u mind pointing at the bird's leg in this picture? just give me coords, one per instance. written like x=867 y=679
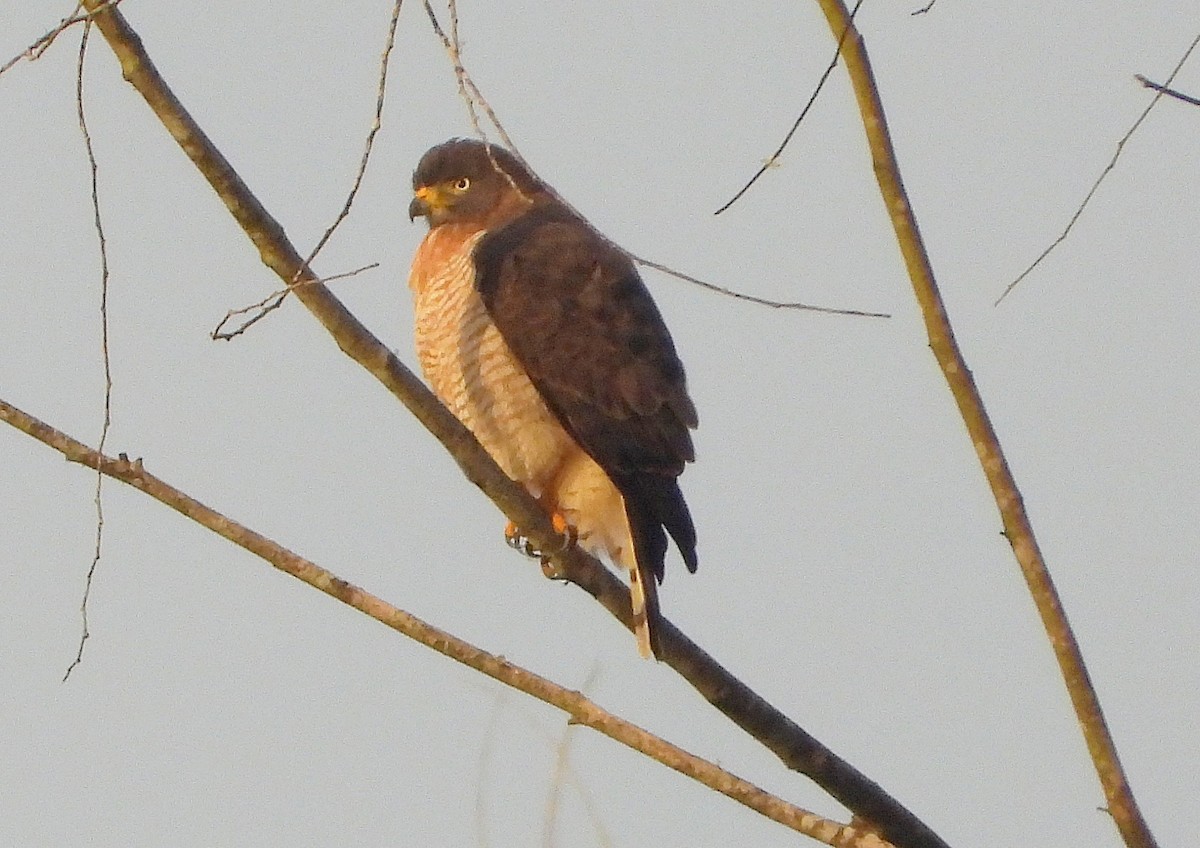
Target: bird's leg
x=567 y=531
x=570 y=538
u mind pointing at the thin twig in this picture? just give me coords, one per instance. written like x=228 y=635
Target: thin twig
x=271 y=302
x=563 y=772
x=491 y=732
x=775 y=304
x=580 y=709
x=274 y=300
x=1017 y=527
x=472 y=96
x=376 y=125
x=256 y=311
x=1170 y=92
x=474 y=89
x=1112 y=163
x=796 y=748
x=772 y=160
x=452 y=47
x=35 y=50
x=108 y=383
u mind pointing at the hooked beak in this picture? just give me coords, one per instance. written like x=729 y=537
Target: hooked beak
x=423 y=203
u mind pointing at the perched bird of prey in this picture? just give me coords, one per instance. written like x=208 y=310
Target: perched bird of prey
x=540 y=336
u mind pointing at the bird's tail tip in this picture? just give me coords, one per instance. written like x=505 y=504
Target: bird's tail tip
x=644 y=597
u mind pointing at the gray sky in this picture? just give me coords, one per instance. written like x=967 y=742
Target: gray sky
x=852 y=569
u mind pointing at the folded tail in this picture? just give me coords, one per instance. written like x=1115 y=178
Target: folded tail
x=654 y=507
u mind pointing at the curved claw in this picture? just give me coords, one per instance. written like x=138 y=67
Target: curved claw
x=516 y=540
x=519 y=542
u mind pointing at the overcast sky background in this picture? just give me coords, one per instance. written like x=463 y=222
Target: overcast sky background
x=852 y=568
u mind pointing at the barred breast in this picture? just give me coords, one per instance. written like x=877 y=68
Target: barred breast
x=471 y=368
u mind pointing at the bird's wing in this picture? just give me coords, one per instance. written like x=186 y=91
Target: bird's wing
x=579 y=319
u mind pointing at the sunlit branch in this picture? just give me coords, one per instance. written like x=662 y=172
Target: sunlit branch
x=1017 y=527
x=581 y=710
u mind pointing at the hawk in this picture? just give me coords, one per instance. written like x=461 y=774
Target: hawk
x=540 y=336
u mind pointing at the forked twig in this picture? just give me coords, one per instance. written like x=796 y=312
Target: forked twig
x=260 y=310
x=471 y=95
x=35 y=50
x=274 y=300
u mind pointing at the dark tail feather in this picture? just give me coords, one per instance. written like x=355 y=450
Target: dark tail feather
x=654 y=503
x=678 y=521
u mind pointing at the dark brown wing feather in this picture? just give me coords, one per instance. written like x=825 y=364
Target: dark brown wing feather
x=579 y=319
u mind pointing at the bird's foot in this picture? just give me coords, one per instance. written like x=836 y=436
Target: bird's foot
x=520 y=542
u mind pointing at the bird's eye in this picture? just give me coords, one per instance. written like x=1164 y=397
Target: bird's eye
x=462 y=184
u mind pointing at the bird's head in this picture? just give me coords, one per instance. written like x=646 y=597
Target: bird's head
x=464 y=181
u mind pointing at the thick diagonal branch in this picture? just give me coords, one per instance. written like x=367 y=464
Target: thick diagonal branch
x=1017 y=527
x=580 y=709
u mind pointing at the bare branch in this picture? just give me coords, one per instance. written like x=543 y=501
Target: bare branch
x=1112 y=163
x=797 y=749
x=98 y=224
x=1017 y=527
x=773 y=159
x=1170 y=92
x=581 y=710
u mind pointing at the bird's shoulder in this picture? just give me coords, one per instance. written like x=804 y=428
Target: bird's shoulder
x=549 y=243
